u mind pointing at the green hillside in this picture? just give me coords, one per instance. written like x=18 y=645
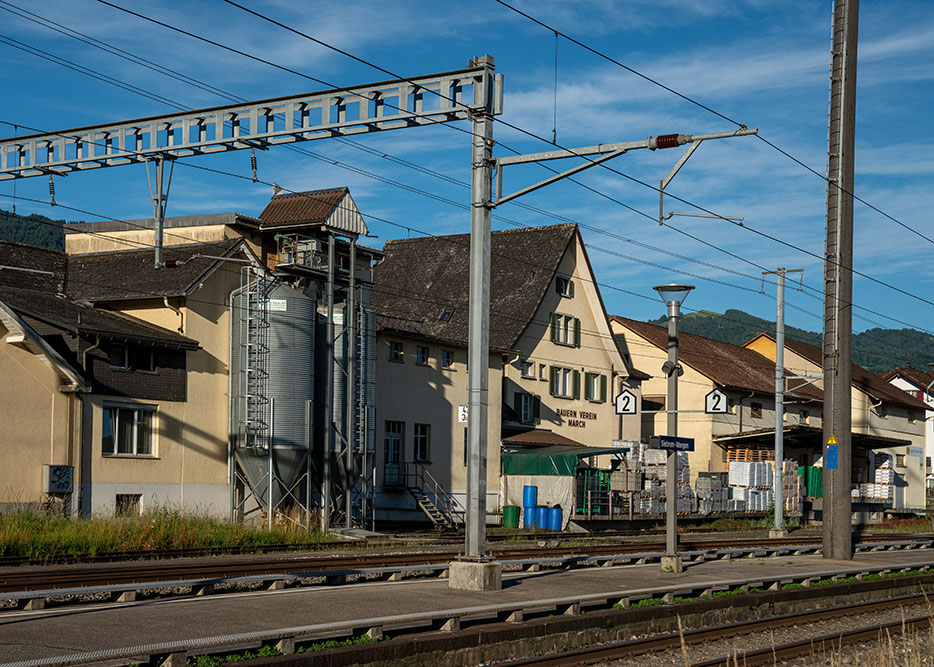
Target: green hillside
x=36 y=230
x=876 y=350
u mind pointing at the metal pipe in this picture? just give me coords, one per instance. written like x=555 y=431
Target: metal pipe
x=329 y=396
x=272 y=439
x=778 y=479
x=349 y=430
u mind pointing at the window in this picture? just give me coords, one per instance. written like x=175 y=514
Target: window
x=395 y=351
x=564 y=382
x=803 y=417
x=393 y=435
x=422 y=443
x=900 y=460
x=565 y=330
x=119 y=356
x=653 y=403
x=128 y=504
x=447 y=358
x=421 y=355
x=145 y=359
x=528 y=369
x=564 y=286
x=755 y=410
x=528 y=407
x=465 y=446
x=127 y=431
x=446 y=315
x=595 y=387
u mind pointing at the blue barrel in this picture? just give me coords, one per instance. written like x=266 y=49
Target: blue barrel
x=541 y=517
x=554 y=519
x=529 y=496
x=528 y=517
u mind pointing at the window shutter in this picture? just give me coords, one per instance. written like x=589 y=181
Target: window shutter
x=517 y=404
x=603 y=388
x=537 y=409
x=570 y=288
x=576 y=384
x=577 y=332
x=552 y=379
x=554 y=327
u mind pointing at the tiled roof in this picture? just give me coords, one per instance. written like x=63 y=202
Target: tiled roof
x=130 y=274
x=862 y=379
x=301 y=207
x=63 y=313
x=725 y=364
x=420 y=279
x=18 y=256
x=921 y=379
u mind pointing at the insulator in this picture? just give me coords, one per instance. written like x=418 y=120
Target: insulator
x=666 y=140
x=253 y=163
x=51 y=190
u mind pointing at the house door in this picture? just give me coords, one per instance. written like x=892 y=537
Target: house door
x=393 y=439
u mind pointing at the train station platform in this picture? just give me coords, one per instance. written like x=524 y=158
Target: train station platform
x=47 y=636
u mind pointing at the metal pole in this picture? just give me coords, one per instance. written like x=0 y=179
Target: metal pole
x=349 y=430
x=479 y=336
x=778 y=479
x=671 y=484
x=329 y=396
x=158 y=211
x=309 y=423
x=838 y=295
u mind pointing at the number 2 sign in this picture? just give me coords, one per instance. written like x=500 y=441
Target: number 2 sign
x=626 y=403
x=715 y=403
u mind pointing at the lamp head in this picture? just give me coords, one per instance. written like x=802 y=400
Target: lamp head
x=673 y=293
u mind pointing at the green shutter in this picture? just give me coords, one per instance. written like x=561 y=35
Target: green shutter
x=554 y=327
x=577 y=332
x=576 y=384
x=587 y=394
x=552 y=379
x=537 y=409
x=517 y=404
x=603 y=388
x=570 y=288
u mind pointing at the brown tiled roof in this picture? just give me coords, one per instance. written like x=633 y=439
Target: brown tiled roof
x=539 y=437
x=421 y=278
x=29 y=257
x=301 y=207
x=65 y=314
x=921 y=379
x=130 y=274
x=862 y=379
x=729 y=366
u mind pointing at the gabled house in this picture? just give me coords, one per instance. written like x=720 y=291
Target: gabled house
x=746 y=431
x=918 y=383
x=553 y=365
x=885 y=419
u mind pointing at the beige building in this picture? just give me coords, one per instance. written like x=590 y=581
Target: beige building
x=553 y=369
x=885 y=419
x=744 y=376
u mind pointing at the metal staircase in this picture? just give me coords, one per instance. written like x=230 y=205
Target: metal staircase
x=254 y=352
x=438 y=505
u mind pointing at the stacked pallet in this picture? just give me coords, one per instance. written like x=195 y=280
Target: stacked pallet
x=792 y=487
x=747 y=455
x=751 y=485
x=652 y=498
x=710 y=493
x=884 y=487
x=656 y=477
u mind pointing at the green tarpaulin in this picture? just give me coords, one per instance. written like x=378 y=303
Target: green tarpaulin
x=553 y=460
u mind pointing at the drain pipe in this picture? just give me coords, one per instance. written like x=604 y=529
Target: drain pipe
x=84 y=355
x=177 y=311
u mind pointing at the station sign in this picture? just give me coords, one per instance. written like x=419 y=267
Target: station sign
x=626 y=403
x=715 y=403
x=675 y=444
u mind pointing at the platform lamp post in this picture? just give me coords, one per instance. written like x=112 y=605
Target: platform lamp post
x=673 y=296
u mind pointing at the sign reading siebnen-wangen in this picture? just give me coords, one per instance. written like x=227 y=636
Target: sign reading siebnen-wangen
x=674 y=443
x=576 y=418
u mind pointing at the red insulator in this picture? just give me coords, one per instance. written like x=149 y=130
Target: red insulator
x=666 y=140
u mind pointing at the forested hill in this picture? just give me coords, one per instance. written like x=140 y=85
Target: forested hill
x=876 y=350
x=36 y=230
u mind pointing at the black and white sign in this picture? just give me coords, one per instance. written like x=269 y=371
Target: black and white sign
x=715 y=403
x=463 y=412
x=626 y=403
x=674 y=443
x=57 y=479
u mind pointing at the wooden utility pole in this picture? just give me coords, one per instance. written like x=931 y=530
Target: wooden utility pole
x=838 y=285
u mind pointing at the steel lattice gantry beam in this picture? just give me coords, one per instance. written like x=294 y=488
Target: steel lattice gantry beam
x=386 y=105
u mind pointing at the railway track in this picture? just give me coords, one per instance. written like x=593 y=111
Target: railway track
x=766 y=656
x=53 y=577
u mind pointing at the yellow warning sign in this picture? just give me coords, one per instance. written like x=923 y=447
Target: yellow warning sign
x=831 y=440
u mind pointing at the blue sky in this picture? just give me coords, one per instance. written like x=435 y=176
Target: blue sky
x=762 y=63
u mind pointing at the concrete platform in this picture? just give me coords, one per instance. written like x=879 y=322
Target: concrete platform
x=53 y=632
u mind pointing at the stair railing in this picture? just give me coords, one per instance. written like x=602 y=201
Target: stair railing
x=418 y=476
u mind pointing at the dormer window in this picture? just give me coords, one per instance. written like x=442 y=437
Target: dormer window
x=446 y=315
